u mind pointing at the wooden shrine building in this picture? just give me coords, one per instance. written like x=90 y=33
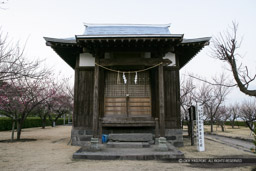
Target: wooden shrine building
x=127 y=79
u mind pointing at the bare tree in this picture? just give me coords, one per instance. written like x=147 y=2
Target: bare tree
x=248 y=113
x=222 y=116
x=212 y=97
x=225 y=48
x=13 y=64
x=70 y=91
x=234 y=113
x=187 y=88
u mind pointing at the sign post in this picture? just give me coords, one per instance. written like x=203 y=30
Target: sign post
x=191 y=123
x=200 y=127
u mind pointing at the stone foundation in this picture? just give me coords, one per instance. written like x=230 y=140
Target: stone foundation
x=81 y=136
x=174 y=136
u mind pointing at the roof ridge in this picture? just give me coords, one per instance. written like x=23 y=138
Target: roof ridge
x=123 y=24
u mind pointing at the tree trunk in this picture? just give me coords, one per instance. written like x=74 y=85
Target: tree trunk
x=68 y=118
x=50 y=118
x=58 y=116
x=13 y=128
x=233 y=123
x=250 y=125
x=211 y=124
x=43 y=124
x=43 y=121
x=64 y=120
x=19 y=127
x=222 y=127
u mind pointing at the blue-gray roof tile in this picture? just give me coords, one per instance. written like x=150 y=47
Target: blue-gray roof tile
x=126 y=30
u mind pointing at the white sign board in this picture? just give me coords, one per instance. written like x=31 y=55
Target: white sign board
x=86 y=59
x=171 y=57
x=200 y=127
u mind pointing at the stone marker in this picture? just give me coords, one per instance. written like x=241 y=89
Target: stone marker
x=94 y=144
x=162 y=144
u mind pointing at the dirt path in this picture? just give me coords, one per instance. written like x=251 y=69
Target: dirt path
x=49 y=151
x=241 y=132
x=236 y=143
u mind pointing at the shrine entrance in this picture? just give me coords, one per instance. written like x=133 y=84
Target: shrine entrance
x=127 y=94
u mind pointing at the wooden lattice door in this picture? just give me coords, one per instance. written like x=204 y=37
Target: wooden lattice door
x=130 y=99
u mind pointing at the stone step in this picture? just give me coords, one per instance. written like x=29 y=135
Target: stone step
x=128 y=145
x=128 y=154
x=131 y=137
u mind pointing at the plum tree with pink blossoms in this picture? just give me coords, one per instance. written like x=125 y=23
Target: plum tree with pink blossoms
x=18 y=98
x=21 y=82
x=56 y=105
x=61 y=104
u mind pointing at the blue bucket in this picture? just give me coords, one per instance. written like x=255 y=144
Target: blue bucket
x=104 y=138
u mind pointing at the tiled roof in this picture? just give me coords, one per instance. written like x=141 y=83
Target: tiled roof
x=126 y=30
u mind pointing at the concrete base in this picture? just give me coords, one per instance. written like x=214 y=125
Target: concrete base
x=128 y=154
x=82 y=137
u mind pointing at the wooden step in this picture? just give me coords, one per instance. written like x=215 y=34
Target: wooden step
x=131 y=137
x=128 y=145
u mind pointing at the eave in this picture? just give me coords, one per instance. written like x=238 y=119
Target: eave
x=185 y=49
x=67 y=49
x=188 y=48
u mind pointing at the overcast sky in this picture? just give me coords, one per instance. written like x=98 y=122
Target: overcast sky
x=35 y=19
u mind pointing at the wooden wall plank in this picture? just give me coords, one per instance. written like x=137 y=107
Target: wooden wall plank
x=83 y=98
x=172 y=105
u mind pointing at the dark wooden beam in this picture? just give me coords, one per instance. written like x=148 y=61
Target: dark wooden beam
x=161 y=100
x=96 y=100
x=132 y=62
x=76 y=92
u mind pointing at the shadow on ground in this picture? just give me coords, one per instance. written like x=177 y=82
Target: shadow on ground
x=21 y=140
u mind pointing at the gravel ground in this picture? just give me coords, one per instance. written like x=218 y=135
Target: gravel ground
x=47 y=149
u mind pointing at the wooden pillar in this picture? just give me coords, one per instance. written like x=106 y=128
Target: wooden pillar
x=96 y=100
x=161 y=100
x=100 y=130
x=156 y=128
x=76 y=81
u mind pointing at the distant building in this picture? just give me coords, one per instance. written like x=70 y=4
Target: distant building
x=127 y=79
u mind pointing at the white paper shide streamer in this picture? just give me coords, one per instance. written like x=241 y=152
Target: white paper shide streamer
x=136 y=78
x=124 y=78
